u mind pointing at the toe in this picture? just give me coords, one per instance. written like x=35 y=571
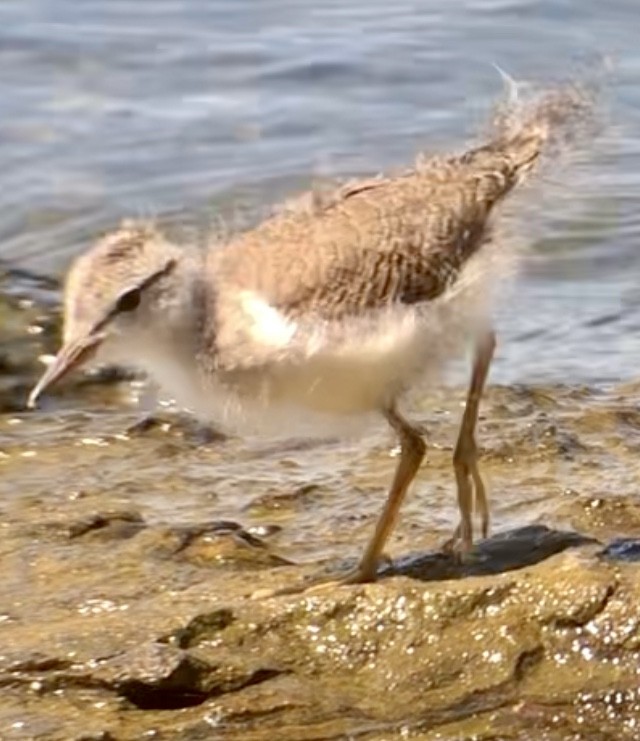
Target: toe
x=318 y=585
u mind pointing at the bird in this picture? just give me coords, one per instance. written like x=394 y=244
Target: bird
x=335 y=305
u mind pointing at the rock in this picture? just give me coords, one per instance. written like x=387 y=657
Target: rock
x=216 y=543
x=402 y=653
x=127 y=562
x=186 y=426
x=602 y=515
x=300 y=497
x=623 y=549
x=117 y=524
x=503 y=552
x=160 y=677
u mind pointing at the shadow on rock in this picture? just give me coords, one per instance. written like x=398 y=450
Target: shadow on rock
x=622 y=549
x=503 y=552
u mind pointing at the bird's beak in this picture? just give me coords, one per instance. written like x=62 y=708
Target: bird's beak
x=73 y=353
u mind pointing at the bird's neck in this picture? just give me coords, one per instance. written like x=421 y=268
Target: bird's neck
x=179 y=326
x=168 y=348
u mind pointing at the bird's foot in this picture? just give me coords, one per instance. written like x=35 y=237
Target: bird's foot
x=457 y=546
x=319 y=585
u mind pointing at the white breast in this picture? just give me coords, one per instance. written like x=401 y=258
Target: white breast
x=287 y=375
x=353 y=366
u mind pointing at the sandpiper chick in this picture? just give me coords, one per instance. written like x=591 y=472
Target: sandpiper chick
x=338 y=307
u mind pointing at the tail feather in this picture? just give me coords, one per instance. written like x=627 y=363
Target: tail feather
x=550 y=122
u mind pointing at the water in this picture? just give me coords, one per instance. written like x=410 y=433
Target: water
x=185 y=110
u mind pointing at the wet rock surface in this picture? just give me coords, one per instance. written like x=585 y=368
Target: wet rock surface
x=551 y=648
x=130 y=552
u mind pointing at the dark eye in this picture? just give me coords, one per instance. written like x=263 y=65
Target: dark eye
x=128 y=301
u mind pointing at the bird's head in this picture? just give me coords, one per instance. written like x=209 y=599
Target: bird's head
x=112 y=295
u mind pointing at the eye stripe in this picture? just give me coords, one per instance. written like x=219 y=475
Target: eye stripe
x=146 y=283
x=128 y=301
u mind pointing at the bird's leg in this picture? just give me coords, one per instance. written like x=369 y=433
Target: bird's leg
x=471 y=490
x=412 y=451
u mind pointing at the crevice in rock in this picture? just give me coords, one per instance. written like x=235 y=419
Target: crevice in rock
x=166 y=697
x=200 y=628
x=527 y=661
x=147 y=697
x=588 y=614
x=126 y=522
x=40 y=664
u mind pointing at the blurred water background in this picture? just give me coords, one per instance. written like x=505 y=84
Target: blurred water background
x=195 y=110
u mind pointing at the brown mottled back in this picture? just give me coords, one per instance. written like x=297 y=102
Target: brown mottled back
x=379 y=241
x=404 y=240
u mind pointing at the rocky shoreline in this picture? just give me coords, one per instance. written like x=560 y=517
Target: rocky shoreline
x=129 y=554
